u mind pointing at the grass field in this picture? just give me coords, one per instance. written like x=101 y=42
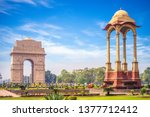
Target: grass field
x=85 y=98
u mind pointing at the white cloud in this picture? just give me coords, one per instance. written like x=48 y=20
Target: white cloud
x=69 y=52
x=73 y=52
x=6 y=6
x=79 y=42
x=102 y=24
x=3 y=11
x=89 y=33
x=9 y=36
x=32 y=28
x=32 y=2
x=44 y=3
x=52 y=26
x=45 y=30
x=92 y=33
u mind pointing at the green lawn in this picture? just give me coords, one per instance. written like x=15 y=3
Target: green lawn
x=86 y=98
x=114 y=98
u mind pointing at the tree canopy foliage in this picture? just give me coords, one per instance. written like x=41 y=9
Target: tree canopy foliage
x=86 y=75
x=49 y=77
x=146 y=76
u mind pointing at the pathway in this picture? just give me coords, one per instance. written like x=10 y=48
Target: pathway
x=4 y=93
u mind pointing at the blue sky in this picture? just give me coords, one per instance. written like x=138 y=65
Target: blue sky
x=71 y=31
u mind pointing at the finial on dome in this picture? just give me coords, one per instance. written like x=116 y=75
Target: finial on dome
x=120 y=8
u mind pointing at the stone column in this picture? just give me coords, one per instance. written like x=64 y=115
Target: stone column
x=135 y=53
x=124 y=64
x=108 y=49
x=108 y=64
x=135 y=63
x=118 y=63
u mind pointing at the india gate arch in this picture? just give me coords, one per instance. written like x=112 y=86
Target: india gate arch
x=32 y=51
x=121 y=77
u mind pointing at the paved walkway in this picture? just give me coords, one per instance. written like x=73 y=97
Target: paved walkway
x=8 y=93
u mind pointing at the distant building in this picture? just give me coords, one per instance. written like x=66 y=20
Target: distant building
x=6 y=81
x=27 y=79
x=30 y=79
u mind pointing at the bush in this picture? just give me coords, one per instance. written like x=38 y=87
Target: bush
x=108 y=90
x=66 y=87
x=26 y=93
x=23 y=87
x=75 y=87
x=132 y=91
x=51 y=87
x=83 y=92
x=96 y=86
x=54 y=96
x=143 y=90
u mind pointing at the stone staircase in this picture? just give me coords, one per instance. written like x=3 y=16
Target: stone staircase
x=4 y=93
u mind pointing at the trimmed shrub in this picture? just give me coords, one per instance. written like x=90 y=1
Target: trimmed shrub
x=143 y=90
x=22 y=87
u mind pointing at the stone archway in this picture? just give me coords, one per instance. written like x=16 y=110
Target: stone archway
x=31 y=50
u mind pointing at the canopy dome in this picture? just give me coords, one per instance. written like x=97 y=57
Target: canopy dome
x=121 y=16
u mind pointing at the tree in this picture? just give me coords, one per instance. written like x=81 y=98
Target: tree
x=100 y=75
x=49 y=77
x=86 y=75
x=59 y=79
x=146 y=76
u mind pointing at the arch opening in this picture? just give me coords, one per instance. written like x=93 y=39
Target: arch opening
x=28 y=71
x=129 y=48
